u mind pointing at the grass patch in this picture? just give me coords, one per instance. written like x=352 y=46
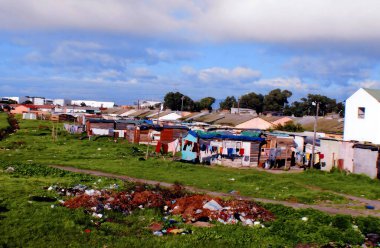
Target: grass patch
x=24 y=223
x=3 y=120
x=32 y=144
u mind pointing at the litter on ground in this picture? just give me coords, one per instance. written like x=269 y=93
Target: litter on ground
x=199 y=210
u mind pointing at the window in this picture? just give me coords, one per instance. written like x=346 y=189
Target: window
x=361 y=112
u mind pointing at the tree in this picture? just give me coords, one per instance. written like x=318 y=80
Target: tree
x=252 y=101
x=276 y=100
x=228 y=103
x=83 y=104
x=296 y=108
x=289 y=127
x=174 y=100
x=340 y=108
x=206 y=103
x=306 y=106
x=326 y=104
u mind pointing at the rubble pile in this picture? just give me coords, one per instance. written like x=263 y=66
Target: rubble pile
x=205 y=208
x=192 y=208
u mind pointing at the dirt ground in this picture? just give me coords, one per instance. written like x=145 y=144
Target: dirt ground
x=355 y=206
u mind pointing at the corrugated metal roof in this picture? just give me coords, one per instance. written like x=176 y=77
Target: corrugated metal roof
x=234 y=120
x=209 y=118
x=138 y=113
x=373 y=92
x=155 y=114
x=273 y=118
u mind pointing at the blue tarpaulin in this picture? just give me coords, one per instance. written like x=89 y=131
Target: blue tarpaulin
x=225 y=136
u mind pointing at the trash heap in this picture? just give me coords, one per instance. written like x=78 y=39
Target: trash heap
x=174 y=202
x=205 y=208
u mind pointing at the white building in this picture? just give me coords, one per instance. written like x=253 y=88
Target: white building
x=147 y=104
x=243 y=111
x=18 y=99
x=362 y=116
x=61 y=102
x=95 y=104
x=36 y=100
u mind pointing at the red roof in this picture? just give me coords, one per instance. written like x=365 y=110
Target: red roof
x=32 y=106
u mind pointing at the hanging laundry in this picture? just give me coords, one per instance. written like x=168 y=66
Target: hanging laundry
x=187 y=144
x=195 y=148
x=158 y=147
x=203 y=147
x=164 y=148
x=229 y=152
x=173 y=146
x=241 y=151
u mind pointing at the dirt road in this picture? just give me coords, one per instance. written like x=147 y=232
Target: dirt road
x=355 y=207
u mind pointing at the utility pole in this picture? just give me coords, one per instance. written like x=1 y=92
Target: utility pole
x=158 y=115
x=315 y=132
x=182 y=98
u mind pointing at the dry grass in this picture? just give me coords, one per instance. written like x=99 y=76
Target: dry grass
x=325 y=125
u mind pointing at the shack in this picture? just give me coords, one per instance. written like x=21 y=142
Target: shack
x=224 y=149
x=135 y=131
x=169 y=138
x=366 y=160
x=169 y=133
x=100 y=127
x=278 y=150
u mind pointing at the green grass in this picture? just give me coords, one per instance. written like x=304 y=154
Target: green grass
x=36 y=224
x=33 y=144
x=3 y=120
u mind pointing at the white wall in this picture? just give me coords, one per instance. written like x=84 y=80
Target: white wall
x=95 y=104
x=300 y=141
x=37 y=100
x=61 y=102
x=366 y=129
x=18 y=99
x=346 y=152
x=365 y=162
x=330 y=149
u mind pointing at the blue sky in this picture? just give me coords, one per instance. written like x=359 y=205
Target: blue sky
x=122 y=51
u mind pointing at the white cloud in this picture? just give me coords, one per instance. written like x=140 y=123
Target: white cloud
x=34 y=57
x=141 y=72
x=154 y=56
x=222 y=75
x=283 y=83
x=188 y=70
x=293 y=20
x=372 y=84
x=337 y=68
x=111 y=73
x=112 y=15
x=257 y=20
x=75 y=51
